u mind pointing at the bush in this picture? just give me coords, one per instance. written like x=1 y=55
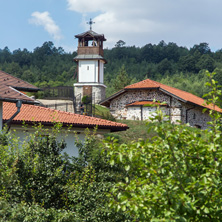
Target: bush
x=174 y=176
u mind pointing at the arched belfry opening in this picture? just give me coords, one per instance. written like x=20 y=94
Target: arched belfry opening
x=90 y=66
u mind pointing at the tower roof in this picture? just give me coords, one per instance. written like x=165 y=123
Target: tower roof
x=91 y=34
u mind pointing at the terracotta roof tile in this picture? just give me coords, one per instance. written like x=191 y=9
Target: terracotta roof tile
x=8 y=93
x=15 y=82
x=187 y=97
x=37 y=114
x=9 y=86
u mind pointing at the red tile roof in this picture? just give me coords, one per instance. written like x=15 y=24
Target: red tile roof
x=9 y=86
x=16 y=83
x=46 y=116
x=142 y=103
x=180 y=94
x=8 y=93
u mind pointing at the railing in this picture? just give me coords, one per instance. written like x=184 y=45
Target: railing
x=88 y=105
x=67 y=93
x=60 y=92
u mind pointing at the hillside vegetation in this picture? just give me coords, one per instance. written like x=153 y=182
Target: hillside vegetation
x=173 y=174
x=168 y=63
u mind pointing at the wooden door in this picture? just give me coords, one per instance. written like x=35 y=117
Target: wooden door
x=87 y=90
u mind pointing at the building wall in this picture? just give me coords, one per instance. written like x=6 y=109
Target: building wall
x=88 y=71
x=101 y=71
x=195 y=116
x=100 y=93
x=69 y=137
x=136 y=112
x=90 y=50
x=119 y=110
x=98 y=90
x=63 y=105
x=176 y=110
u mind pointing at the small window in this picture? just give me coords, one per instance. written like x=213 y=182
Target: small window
x=194 y=116
x=87 y=67
x=197 y=126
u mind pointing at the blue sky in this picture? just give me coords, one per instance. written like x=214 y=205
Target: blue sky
x=29 y=23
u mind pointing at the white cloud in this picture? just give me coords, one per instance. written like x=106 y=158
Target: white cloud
x=85 y=6
x=185 y=22
x=44 y=19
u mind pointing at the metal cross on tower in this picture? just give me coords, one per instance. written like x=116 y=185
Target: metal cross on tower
x=90 y=23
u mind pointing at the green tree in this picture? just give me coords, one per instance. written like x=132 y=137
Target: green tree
x=122 y=79
x=164 y=66
x=39 y=184
x=120 y=43
x=175 y=176
x=206 y=62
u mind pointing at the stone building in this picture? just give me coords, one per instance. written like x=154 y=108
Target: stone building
x=90 y=65
x=139 y=101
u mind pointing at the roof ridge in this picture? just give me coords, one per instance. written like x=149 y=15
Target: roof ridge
x=143 y=81
x=159 y=84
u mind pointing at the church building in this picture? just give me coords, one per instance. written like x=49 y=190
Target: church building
x=139 y=101
x=90 y=65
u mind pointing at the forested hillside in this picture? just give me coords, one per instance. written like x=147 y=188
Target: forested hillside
x=168 y=63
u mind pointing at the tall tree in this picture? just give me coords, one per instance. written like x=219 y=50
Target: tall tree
x=122 y=79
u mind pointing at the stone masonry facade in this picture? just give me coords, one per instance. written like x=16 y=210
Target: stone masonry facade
x=98 y=91
x=175 y=109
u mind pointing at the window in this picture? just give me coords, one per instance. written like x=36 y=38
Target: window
x=197 y=126
x=87 y=67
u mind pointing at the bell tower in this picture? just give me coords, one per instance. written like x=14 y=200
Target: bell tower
x=90 y=65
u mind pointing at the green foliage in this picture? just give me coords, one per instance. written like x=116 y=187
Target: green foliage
x=103 y=112
x=122 y=79
x=87 y=189
x=36 y=170
x=120 y=43
x=45 y=63
x=51 y=66
x=195 y=84
x=23 y=212
x=174 y=176
x=86 y=99
x=39 y=184
x=137 y=131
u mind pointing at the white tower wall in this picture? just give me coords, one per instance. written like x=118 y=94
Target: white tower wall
x=101 y=72
x=88 y=71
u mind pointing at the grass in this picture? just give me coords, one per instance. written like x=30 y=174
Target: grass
x=140 y=130
x=137 y=130
x=103 y=112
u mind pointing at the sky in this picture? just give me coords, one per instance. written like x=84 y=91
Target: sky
x=30 y=23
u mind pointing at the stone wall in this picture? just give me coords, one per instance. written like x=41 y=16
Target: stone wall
x=119 y=110
x=136 y=112
x=146 y=112
x=98 y=92
x=62 y=105
x=175 y=109
x=195 y=117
